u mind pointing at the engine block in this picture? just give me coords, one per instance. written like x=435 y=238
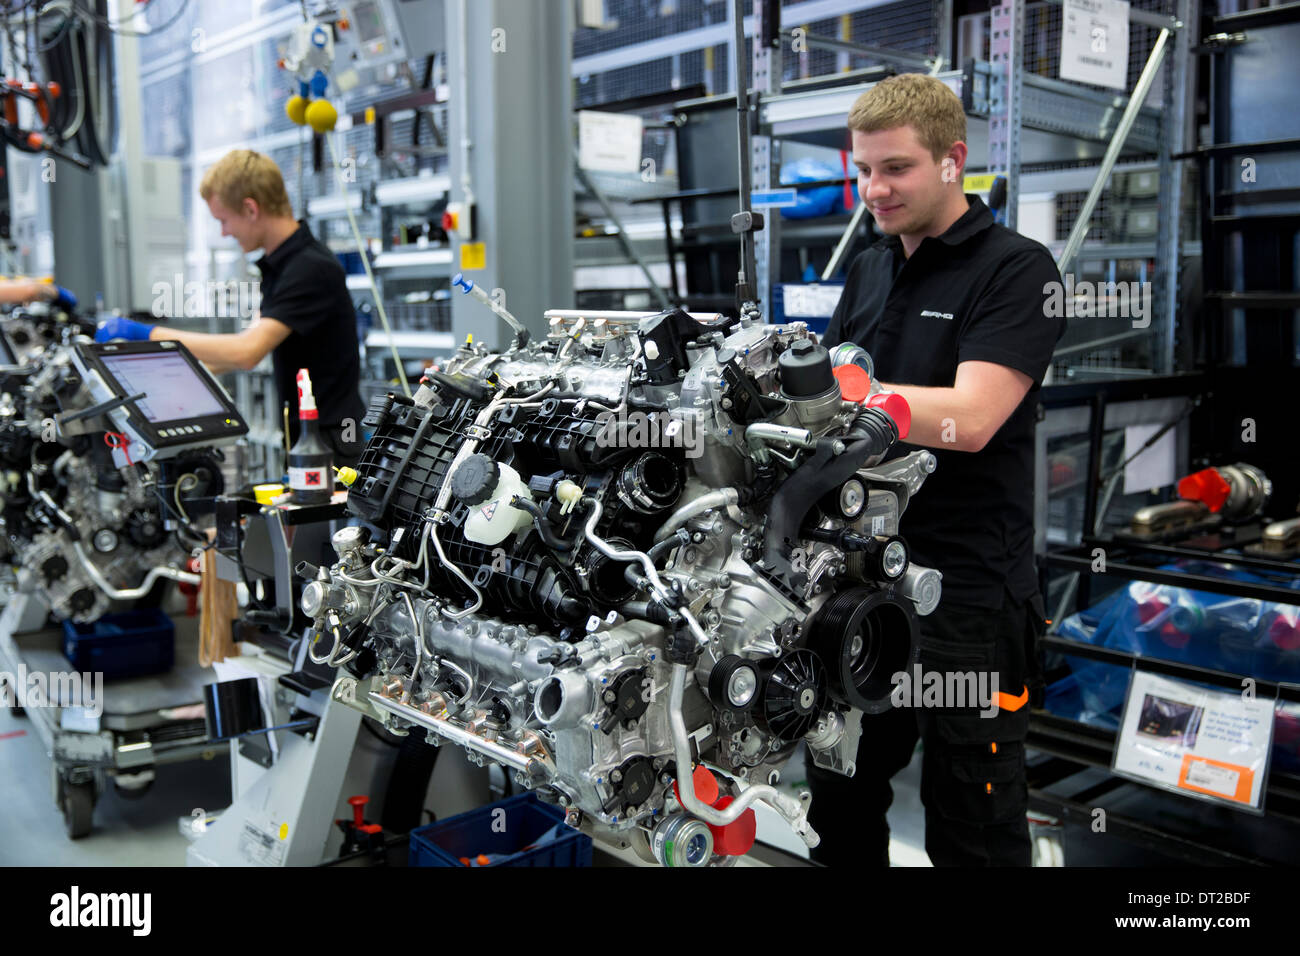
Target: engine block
x=636 y=563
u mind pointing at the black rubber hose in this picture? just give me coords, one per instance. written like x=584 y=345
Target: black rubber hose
x=679 y=537
x=544 y=529
x=653 y=612
x=872 y=433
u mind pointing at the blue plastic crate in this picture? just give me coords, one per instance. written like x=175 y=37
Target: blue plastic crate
x=526 y=820
x=128 y=644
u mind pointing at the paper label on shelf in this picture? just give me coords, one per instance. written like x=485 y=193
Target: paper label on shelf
x=1154 y=468
x=1184 y=737
x=609 y=142
x=473 y=255
x=1094 y=42
x=1213 y=777
x=978 y=184
x=810 y=301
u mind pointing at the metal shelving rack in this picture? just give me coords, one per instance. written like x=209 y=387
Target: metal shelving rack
x=1072 y=746
x=1029 y=120
x=1261 y=215
x=1039 y=128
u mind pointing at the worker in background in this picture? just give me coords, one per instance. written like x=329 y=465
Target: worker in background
x=306 y=319
x=951 y=308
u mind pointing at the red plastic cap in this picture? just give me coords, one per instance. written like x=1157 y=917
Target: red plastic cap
x=1284 y=633
x=706 y=786
x=1206 y=486
x=1151 y=607
x=855 y=383
x=896 y=407
x=735 y=839
x=1173 y=637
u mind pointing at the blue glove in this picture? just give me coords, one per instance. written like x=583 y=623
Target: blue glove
x=122 y=328
x=65 y=299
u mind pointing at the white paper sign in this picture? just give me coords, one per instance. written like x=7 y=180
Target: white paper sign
x=1094 y=42
x=1204 y=743
x=609 y=142
x=1154 y=468
x=811 y=301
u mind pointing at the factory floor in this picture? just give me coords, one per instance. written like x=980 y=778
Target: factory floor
x=145 y=830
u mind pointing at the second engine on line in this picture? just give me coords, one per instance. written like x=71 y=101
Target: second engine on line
x=86 y=536
x=639 y=547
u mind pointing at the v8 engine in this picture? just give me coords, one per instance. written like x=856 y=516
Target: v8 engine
x=636 y=563
x=84 y=534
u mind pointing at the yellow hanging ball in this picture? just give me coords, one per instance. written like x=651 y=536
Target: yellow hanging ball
x=321 y=116
x=296 y=107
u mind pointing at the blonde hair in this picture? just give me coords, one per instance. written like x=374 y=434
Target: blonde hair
x=246 y=174
x=911 y=99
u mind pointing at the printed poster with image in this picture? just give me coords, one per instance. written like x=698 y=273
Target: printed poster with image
x=1204 y=743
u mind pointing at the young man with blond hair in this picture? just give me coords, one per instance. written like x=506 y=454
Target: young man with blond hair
x=950 y=306
x=306 y=319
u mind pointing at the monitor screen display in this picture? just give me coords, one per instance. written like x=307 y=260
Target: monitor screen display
x=173 y=390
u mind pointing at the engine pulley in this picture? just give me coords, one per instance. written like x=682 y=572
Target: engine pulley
x=865 y=636
x=793 y=695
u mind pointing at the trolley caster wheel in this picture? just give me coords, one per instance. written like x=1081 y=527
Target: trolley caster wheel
x=78 y=808
x=133 y=786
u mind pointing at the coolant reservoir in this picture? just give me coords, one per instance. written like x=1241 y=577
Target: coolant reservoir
x=487 y=487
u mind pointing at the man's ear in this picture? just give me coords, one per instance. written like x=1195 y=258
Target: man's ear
x=250 y=208
x=958 y=154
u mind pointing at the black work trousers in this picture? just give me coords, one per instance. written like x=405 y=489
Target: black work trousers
x=973 y=768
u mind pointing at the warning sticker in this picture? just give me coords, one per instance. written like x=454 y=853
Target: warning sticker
x=489 y=510
x=260 y=847
x=307 y=478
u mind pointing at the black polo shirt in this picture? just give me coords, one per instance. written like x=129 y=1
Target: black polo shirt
x=975 y=293
x=304 y=287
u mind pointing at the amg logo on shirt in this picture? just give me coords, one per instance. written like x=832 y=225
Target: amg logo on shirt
x=937 y=315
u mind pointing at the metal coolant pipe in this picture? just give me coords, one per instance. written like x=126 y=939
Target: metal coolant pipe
x=660 y=589
x=130 y=594
x=722 y=498
x=791 y=809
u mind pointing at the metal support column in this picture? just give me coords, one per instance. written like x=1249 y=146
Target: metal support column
x=511 y=146
x=767 y=149
x=1173 y=138
x=1007 y=24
